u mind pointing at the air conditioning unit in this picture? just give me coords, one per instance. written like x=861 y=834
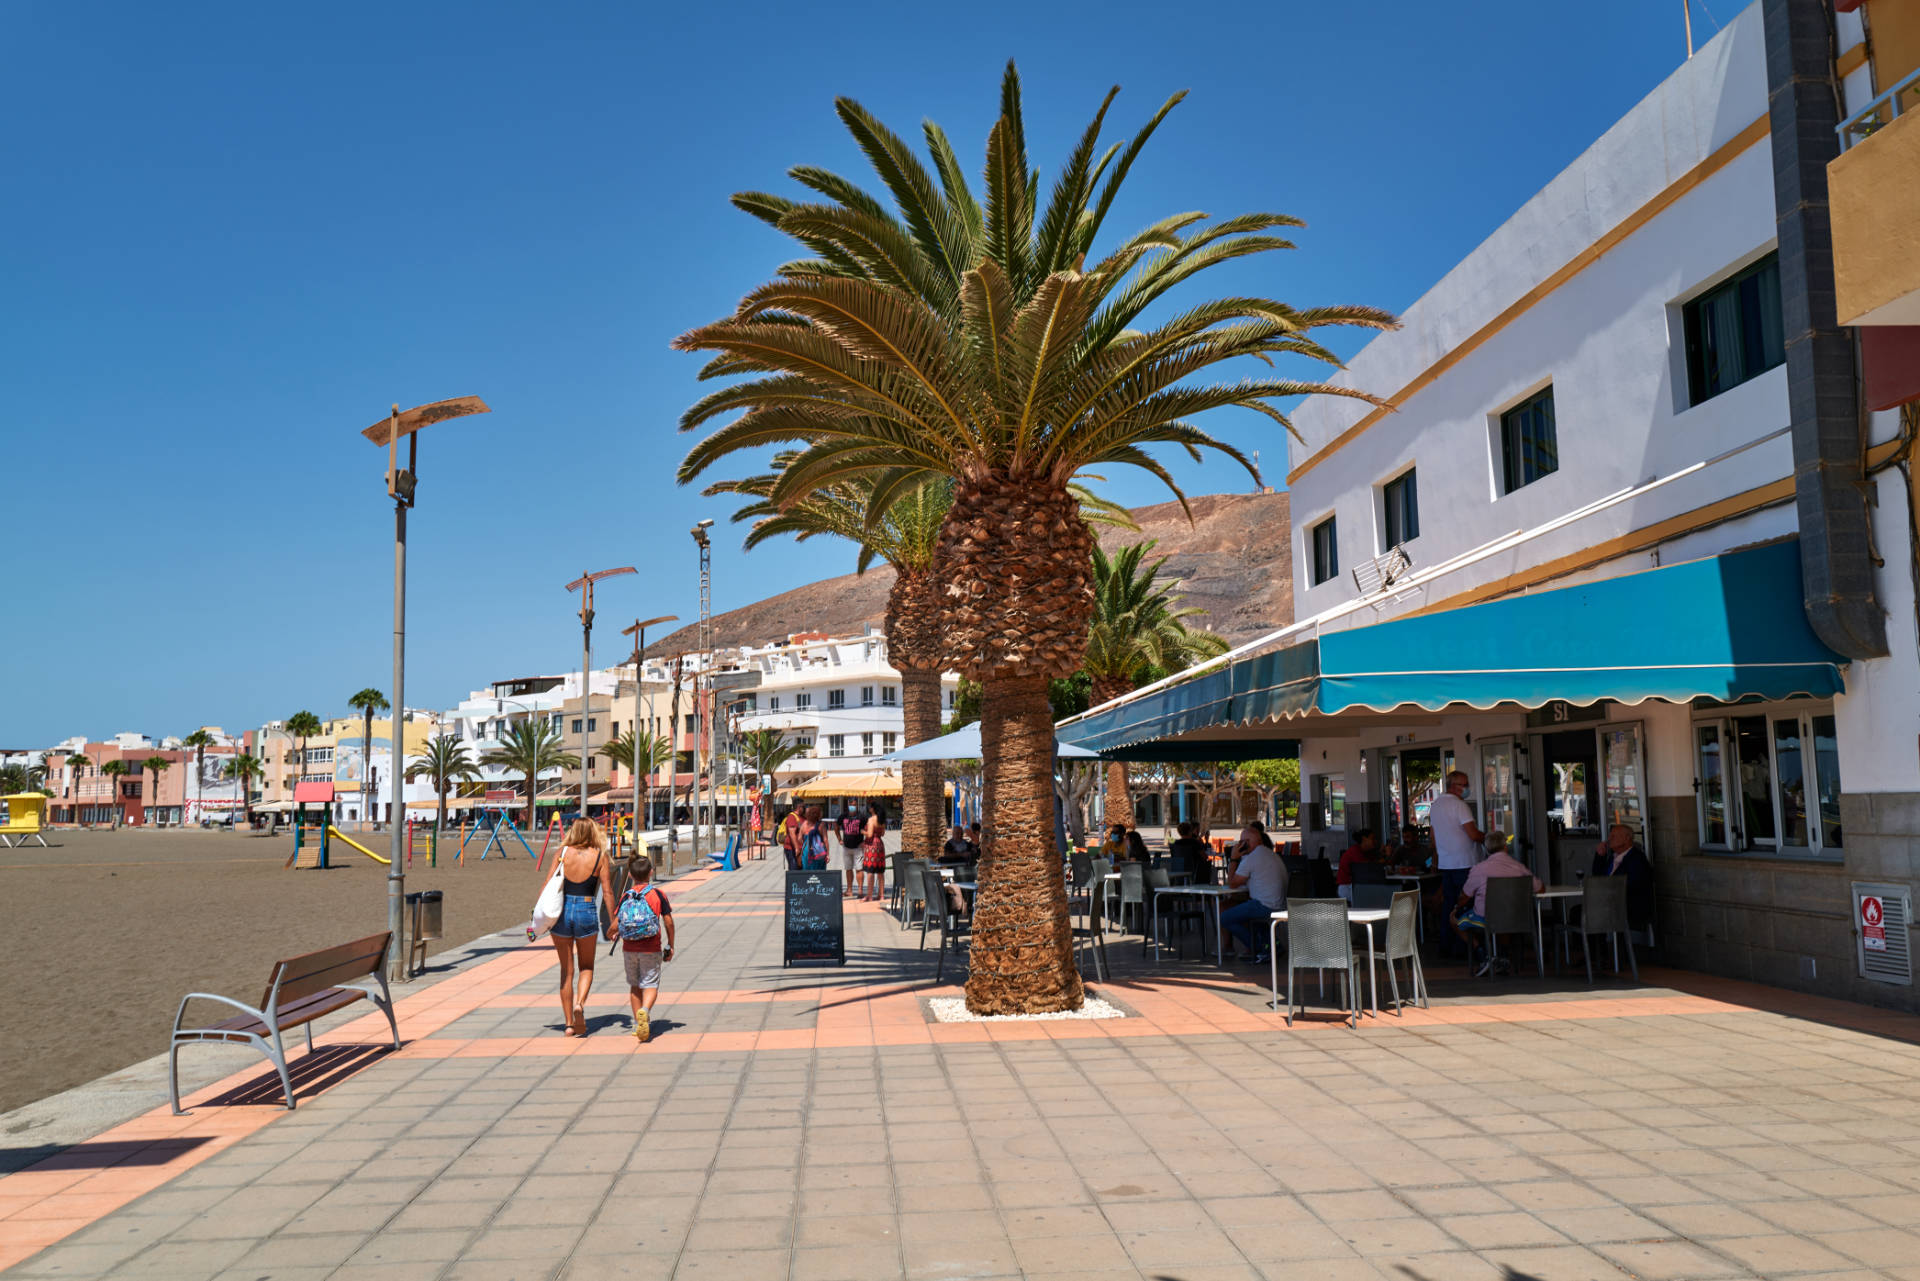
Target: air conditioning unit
x=1381 y=573
x=1881 y=915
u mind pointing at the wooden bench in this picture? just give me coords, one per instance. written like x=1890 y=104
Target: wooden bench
x=300 y=990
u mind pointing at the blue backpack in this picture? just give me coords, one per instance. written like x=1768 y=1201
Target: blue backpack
x=636 y=919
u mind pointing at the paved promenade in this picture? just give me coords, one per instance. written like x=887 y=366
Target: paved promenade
x=813 y=1125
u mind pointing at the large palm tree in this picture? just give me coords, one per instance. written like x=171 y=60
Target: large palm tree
x=78 y=762
x=983 y=340
x=115 y=770
x=1138 y=633
x=21 y=778
x=156 y=766
x=302 y=725
x=445 y=763
x=199 y=741
x=369 y=701
x=903 y=535
x=531 y=747
x=243 y=769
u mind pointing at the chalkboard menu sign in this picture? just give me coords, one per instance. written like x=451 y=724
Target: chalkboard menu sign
x=815 y=931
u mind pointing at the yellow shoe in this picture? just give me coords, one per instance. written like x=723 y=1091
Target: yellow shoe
x=642 y=1031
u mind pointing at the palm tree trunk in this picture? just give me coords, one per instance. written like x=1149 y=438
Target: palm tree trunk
x=440 y=820
x=922 y=798
x=1023 y=943
x=1117 y=801
x=366 y=767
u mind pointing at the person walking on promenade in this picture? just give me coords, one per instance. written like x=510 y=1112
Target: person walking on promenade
x=643 y=927
x=813 y=840
x=583 y=864
x=790 y=838
x=852 y=840
x=873 y=852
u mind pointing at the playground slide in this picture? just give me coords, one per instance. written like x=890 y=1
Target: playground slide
x=339 y=835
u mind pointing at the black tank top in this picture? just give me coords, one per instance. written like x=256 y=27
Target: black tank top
x=586 y=887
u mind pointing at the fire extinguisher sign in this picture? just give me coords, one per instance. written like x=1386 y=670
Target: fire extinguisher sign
x=1873 y=930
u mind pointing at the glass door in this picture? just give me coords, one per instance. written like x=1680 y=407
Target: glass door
x=1710 y=788
x=1497 y=800
x=1623 y=780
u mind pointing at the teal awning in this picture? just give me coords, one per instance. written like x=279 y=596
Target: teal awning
x=1727 y=627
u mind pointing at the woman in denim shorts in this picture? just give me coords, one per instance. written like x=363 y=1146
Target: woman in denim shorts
x=583 y=864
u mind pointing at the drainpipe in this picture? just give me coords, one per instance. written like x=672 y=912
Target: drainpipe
x=1836 y=541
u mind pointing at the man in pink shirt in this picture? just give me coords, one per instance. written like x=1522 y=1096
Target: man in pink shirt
x=1470 y=912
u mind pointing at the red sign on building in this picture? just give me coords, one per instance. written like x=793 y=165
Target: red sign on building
x=1873 y=930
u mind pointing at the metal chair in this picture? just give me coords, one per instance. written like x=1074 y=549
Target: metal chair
x=1509 y=910
x=937 y=911
x=915 y=866
x=1368 y=873
x=1176 y=909
x=897 y=896
x=1603 y=910
x=1402 y=944
x=1319 y=937
x=1133 y=893
x=1094 y=933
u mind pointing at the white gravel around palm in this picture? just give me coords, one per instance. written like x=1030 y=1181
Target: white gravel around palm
x=953 y=1009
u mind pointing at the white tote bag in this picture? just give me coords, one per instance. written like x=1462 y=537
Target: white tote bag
x=547 y=908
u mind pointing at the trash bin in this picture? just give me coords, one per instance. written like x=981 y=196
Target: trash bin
x=427 y=913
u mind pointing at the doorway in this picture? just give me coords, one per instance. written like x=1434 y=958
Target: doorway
x=1568 y=807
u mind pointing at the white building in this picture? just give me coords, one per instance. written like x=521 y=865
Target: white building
x=485 y=716
x=836 y=696
x=1647 y=583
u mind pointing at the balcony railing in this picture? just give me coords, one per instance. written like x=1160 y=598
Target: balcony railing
x=1881 y=112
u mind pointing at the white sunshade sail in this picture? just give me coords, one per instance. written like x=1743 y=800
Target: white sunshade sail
x=964 y=745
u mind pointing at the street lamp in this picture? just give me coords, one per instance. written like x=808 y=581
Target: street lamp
x=584 y=585
x=639 y=633
x=401 y=484
x=699 y=532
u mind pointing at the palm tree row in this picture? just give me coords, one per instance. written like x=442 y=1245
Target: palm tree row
x=981 y=343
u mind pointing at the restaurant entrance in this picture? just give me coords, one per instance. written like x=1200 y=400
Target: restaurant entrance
x=1582 y=781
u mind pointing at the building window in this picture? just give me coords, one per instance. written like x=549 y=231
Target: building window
x=889 y=741
x=1528 y=447
x=803 y=702
x=866 y=745
x=1326 y=551
x=1734 y=332
x=693 y=724
x=805 y=740
x=888 y=695
x=836 y=699
x=576 y=724
x=773 y=702
x=836 y=745
x=866 y=696
x=593 y=762
x=1769 y=782
x=1400 y=504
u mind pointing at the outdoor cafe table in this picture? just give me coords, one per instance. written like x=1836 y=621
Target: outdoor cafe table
x=1363 y=916
x=1539 y=926
x=1202 y=892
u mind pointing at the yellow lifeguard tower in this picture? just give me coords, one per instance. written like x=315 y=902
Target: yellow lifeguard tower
x=25 y=810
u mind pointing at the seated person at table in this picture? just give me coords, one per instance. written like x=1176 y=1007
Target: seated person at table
x=1188 y=853
x=1470 y=912
x=958 y=848
x=1365 y=849
x=1256 y=868
x=1621 y=855
x=1114 y=848
x=1137 y=848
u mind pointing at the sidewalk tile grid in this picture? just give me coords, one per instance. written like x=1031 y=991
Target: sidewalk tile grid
x=810 y=1124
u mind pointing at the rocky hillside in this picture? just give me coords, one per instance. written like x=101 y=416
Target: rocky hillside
x=1232 y=561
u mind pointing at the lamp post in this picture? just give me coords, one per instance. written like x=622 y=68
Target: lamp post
x=639 y=633
x=704 y=717
x=401 y=484
x=584 y=585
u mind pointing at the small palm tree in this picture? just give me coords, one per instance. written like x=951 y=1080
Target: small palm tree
x=199 y=741
x=1138 y=634
x=369 y=701
x=531 y=748
x=78 y=763
x=156 y=766
x=985 y=341
x=244 y=768
x=116 y=770
x=445 y=763
x=302 y=725
x=766 y=750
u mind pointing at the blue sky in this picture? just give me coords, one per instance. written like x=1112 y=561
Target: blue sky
x=236 y=233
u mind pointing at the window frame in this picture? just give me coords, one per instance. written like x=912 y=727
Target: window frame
x=1405 y=505
x=1509 y=462
x=836 y=745
x=836 y=700
x=1692 y=355
x=1720 y=720
x=1330 y=523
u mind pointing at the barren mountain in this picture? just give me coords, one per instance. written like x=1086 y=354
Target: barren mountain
x=1232 y=562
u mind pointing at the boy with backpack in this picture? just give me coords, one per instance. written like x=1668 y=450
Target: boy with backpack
x=643 y=918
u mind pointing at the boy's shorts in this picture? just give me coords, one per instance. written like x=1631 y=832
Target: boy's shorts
x=643 y=969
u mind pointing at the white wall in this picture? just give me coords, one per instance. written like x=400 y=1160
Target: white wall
x=1878 y=718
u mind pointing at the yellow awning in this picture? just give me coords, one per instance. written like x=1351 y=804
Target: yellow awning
x=873 y=784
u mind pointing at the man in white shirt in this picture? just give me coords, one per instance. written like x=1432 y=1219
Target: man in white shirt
x=1456 y=841
x=1257 y=869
